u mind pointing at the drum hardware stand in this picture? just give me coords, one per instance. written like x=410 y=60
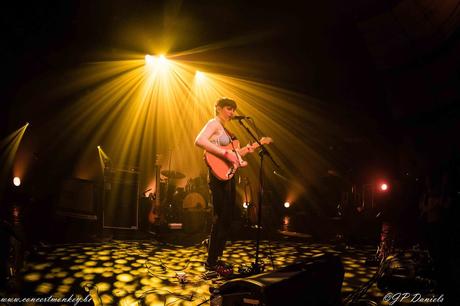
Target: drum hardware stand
x=246 y=185
x=168 y=198
x=258 y=267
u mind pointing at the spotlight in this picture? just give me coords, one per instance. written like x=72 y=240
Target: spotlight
x=16 y=181
x=149 y=59
x=162 y=60
x=287 y=204
x=245 y=205
x=383 y=187
x=199 y=76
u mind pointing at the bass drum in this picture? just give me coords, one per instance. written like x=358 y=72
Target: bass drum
x=194 y=200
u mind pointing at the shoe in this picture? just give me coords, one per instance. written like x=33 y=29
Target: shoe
x=222 y=268
x=209 y=275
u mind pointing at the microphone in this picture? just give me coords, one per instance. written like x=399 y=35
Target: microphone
x=240 y=117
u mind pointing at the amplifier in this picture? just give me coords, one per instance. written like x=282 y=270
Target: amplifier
x=121 y=200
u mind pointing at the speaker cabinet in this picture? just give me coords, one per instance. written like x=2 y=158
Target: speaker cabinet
x=121 y=200
x=317 y=281
x=76 y=199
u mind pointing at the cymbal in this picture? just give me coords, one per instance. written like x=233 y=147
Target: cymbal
x=172 y=174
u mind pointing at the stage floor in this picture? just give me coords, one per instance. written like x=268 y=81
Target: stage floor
x=144 y=272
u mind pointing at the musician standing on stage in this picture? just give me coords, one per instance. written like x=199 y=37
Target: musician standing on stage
x=211 y=138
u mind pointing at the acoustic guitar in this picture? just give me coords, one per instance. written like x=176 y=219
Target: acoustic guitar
x=225 y=170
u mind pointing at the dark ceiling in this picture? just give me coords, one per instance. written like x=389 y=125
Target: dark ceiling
x=337 y=51
x=393 y=61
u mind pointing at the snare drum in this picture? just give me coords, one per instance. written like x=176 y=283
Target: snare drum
x=194 y=200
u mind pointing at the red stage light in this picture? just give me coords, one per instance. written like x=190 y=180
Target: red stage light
x=383 y=186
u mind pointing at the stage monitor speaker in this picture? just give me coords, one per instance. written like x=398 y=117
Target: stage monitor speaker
x=76 y=199
x=121 y=200
x=317 y=281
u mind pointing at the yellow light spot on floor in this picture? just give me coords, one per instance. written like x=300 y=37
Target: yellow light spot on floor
x=68 y=280
x=32 y=277
x=98 y=270
x=44 y=288
x=134 y=272
x=89 y=277
x=101 y=287
x=64 y=289
x=125 y=277
x=128 y=301
x=62 y=274
x=90 y=263
x=41 y=266
x=119 y=292
x=107 y=299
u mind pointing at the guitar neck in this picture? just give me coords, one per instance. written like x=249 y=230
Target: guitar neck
x=254 y=145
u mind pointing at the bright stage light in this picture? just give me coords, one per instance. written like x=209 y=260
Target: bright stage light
x=287 y=204
x=383 y=187
x=149 y=59
x=199 y=76
x=16 y=181
x=245 y=204
x=162 y=60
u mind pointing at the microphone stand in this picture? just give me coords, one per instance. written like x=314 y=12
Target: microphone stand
x=256 y=266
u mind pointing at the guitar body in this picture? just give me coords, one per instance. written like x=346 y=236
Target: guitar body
x=220 y=167
x=225 y=170
x=153 y=216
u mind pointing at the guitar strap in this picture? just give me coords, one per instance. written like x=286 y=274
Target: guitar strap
x=229 y=134
x=232 y=137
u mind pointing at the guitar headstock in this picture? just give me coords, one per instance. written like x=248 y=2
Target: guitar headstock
x=266 y=140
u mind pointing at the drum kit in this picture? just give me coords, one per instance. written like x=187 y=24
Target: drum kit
x=175 y=200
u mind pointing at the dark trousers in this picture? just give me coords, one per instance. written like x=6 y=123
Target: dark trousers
x=223 y=201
